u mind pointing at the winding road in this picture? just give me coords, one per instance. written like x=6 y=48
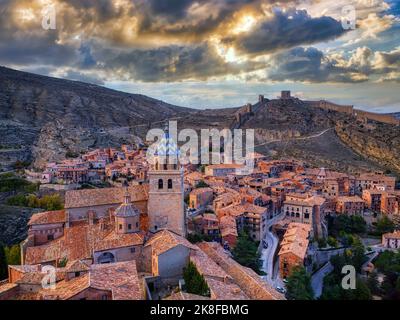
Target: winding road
x=268 y=254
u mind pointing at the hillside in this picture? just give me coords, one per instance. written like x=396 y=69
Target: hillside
x=43 y=118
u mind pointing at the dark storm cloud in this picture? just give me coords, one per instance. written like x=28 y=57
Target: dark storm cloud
x=175 y=63
x=173 y=8
x=311 y=65
x=160 y=40
x=172 y=17
x=286 y=30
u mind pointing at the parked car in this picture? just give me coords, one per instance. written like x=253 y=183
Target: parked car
x=280 y=289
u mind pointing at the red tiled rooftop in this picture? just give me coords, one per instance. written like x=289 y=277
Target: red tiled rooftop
x=48 y=217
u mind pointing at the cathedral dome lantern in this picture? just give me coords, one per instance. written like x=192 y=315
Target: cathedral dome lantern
x=127 y=216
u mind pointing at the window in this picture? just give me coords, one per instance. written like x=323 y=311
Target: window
x=77 y=274
x=160 y=184
x=137 y=224
x=133 y=250
x=50 y=237
x=120 y=226
x=129 y=226
x=169 y=183
x=306 y=216
x=165 y=166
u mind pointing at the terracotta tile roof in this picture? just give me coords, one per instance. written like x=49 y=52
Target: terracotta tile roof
x=221 y=290
x=96 y=197
x=392 y=235
x=45 y=253
x=121 y=278
x=194 y=175
x=210 y=217
x=7 y=287
x=26 y=268
x=37 y=277
x=206 y=266
x=295 y=240
x=225 y=166
x=251 y=284
x=227 y=225
x=349 y=199
x=165 y=240
x=114 y=240
x=180 y=295
x=240 y=209
x=79 y=242
x=48 y=217
x=77 y=266
x=65 y=290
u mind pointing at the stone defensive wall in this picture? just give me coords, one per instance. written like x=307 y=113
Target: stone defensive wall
x=326 y=105
x=385 y=118
x=359 y=114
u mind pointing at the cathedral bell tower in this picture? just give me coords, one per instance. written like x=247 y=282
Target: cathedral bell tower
x=166 y=191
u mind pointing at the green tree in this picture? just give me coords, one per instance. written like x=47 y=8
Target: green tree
x=62 y=263
x=332 y=242
x=3 y=263
x=246 y=252
x=321 y=243
x=384 y=225
x=373 y=283
x=299 y=285
x=194 y=281
x=201 y=184
x=13 y=255
x=348 y=224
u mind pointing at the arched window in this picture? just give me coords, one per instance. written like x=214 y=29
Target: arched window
x=160 y=183
x=169 y=183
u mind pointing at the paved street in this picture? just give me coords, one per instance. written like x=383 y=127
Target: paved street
x=317 y=279
x=267 y=255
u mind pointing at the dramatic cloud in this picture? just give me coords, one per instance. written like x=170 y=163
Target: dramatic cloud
x=312 y=65
x=286 y=29
x=174 y=63
x=166 y=41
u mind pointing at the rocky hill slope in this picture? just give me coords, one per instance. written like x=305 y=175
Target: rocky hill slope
x=42 y=118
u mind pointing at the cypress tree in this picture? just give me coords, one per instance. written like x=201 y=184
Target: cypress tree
x=194 y=281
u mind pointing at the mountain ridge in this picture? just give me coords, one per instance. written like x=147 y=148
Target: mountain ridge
x=42 y=118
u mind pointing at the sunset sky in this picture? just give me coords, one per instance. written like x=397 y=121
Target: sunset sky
x=213 y=53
